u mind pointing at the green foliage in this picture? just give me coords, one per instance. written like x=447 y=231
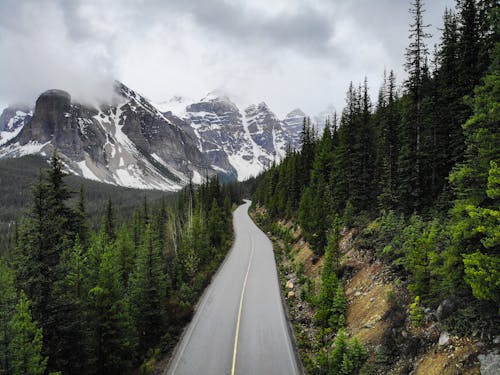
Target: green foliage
x=472 y=257
x=421 y=170
x=331 y=303
x=325 y=300
x=104 y=299
x=25 y=348
x=7 y=304
x=346 y=357
x=383 y=236
x=416 y=311
x=147 y=292
x=482 y=273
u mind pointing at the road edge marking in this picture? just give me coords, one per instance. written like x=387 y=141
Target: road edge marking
x=235 y=350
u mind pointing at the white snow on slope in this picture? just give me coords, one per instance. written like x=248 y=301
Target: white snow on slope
x=177 y=105
x=245 y=167
x=7 y=136
x=15 y=150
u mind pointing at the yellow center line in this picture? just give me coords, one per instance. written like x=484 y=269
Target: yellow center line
x=235 y=351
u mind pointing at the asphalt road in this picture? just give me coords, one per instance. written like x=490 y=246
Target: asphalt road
x=239 y=326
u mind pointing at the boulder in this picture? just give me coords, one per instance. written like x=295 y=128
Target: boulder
x=444 y=339
x=289 y=284
x=445 y=309
x=490 y=363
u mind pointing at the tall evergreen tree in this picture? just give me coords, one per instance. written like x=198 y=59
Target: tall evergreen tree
x=410 y=164
x=475 y=213
x=7 y=307
x=25 y=348
x=45 y=235
x=111 y=324
x=71 y=292
x=109 y=221
x=389 y=147
x=80 y=224
x=147 y=291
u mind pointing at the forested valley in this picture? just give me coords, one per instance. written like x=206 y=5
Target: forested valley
x=412 y=179
x=416 y=174
x=74 y=300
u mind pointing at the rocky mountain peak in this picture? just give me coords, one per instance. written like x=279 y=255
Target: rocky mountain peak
x=15 y=116
x=128 y=142
x=219 y=105
x=132 y=142
x=51 y=118
x=297 y=112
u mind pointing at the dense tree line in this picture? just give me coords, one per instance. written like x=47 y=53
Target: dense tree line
x=421 y=165
x=81 y=301
x=18 y=175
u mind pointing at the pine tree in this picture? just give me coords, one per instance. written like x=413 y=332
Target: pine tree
x=7 y=304
x=126 y=253
x=25 y=347
x=306 y=219
x=307 y=152
x=410 y=163
x=112 y=329
x=109 y=221
x=71 y=292
x=343 y=168
x=389 y=147
x=330 y=302
x=45 y=235
x=147 y=291
x=475 y=212
x=469 y=44
x=216 y=227
x=363 y=187
x=320 y=208
x=80 y=224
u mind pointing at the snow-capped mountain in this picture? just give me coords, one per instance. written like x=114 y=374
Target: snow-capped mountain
x=293 y=123
x=176 y=105
x=137 y=144
x=238 y=141
x=328 y=114
x=12 y=120
x=129 y=143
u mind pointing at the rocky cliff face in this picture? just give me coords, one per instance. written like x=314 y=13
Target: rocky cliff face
x=133 y=143
x=293 y=123
x=239 y=141
x=129 y=143
x=12 y=120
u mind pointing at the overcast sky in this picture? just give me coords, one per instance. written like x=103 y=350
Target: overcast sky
x=288 y=53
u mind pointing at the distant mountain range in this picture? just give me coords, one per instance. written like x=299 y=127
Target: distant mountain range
x=136 y=143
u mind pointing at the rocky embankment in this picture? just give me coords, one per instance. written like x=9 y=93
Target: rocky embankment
x=378 y=313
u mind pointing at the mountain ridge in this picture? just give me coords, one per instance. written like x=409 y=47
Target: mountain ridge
x=135 y=143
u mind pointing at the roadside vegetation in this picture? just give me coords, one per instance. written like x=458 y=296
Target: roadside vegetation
x=416 y=175
x=74 y=300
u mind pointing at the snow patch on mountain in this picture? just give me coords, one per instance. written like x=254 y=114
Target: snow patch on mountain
x=235 y=139
x=16 y=150
x=130 y=143
x=177 y=105
x=12 y=120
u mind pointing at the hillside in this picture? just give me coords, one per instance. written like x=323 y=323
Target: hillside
x=378 y=311
x=17 y=176
x=414 y=179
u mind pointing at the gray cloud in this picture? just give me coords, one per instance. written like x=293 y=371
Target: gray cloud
x=290 y=53
x=39 y=53
x=303 y=28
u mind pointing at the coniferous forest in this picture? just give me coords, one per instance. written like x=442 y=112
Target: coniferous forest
x=416 y=172
x=78 y=301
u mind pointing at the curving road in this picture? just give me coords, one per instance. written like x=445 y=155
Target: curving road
x=239 y=326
